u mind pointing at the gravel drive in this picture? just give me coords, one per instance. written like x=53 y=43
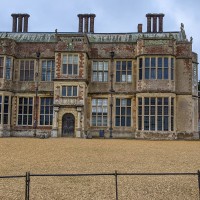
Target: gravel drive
x=71 y=155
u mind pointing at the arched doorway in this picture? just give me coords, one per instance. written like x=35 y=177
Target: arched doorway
x=68 y=125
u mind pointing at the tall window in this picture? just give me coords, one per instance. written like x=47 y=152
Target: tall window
x=27 y=70
x=4 y=109
x=1 y=66
x=6 y=106
x=46 y=111
x=155 y=114
x=48 y=67
x=99 y=112
x=123 y=71
x=123 y=112
x=70 y=64
x=25 y=111
x=8 y=68
x=156 y=68
x=69 y=91
x=100 y=71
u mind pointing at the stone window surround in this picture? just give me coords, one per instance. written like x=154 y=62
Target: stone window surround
x=50 y=120
x=33 y=105
x=126 y=115
x=30 y=74
x=52 y=69
x=4 y=67
x=2 y=108
x=103 y=71
x=62 y=60
x=169 y=96
x=73 y=86
x=121 y=69
x=96 y=114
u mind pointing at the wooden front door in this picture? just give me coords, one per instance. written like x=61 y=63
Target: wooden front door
x=68 y=125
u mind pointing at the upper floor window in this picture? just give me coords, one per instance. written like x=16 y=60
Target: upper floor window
x=1 y=66
x=8 y=68
x=156 y=68
x=27 y=70
x=69 y=91
x=25 y=111
x=46 y=110
x=123 y=71
x=100 y=71
x=123 y=112
x=48 y=68
x=99 y=112
x=70 y=64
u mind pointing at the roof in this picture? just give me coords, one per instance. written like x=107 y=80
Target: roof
x=92 y=37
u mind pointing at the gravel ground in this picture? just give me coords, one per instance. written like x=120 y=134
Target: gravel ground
x=68 y=155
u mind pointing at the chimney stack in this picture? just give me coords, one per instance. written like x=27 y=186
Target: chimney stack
x=20 y=20
x=139 y=28
x=86 y=21
x=157 y=20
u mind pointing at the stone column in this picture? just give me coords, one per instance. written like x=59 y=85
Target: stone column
x=86 y=23
x=161 y=24
x=154 y=24
x=80 y=28
x=92 y=23
x=20 y=23
x=54 y=132
x=148 y=24
x=78 y=132
x=14 y=26
x=26 y=23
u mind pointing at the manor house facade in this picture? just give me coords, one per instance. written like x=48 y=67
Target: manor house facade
x=128 y=85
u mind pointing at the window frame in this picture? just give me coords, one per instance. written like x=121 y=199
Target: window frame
x=122 y=71
x=103 y=116
x=45 y=72
x=104 y=71
x=23 y=114
x=162 y=69
x=30 y=71
x=163 y=109
x=121 y=112
x=67 y=64
x=67 y=90
x=45 y=115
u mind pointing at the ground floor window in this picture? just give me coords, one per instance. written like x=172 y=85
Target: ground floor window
x=4 y=109
x=123 y=112
x=46 y=110
x=25 y=111
x=99 y=112
x=156 y=113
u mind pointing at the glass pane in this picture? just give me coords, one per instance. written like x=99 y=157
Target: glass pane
x=146 y=123
x=152 y=123
x=128 y=121
x=159 y=123
x=153 y=62
x=160 y=62
x=147 y=62
x=69 y=91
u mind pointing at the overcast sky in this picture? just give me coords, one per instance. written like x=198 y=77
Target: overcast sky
x=111 y=15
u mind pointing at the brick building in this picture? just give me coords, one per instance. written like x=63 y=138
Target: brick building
x=137 y=85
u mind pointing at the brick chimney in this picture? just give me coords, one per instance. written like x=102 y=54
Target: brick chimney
x=20 y=22
x=86 y=21
x=139 y=28
x=155 y=21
